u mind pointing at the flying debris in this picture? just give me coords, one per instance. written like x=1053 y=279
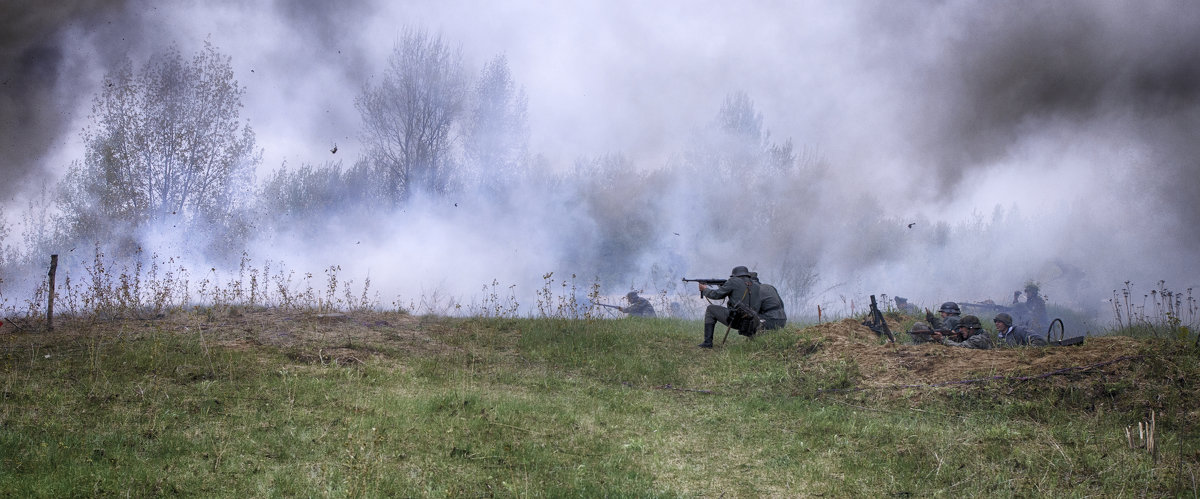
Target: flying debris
x=334 y=150
x=911 y=225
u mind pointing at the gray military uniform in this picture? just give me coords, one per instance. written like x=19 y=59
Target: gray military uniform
x=1019 y=336
x=771 y=309
x=950 y=323
x=736 y=289
x=639 y=307
x=979 y=341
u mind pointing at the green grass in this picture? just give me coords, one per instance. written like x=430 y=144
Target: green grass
x=552 y=407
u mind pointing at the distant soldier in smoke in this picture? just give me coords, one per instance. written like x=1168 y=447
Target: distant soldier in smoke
x=1031 y=313
x=770 y=310
x=970 y=331
x=1013 y=335
x=740 y=293
x=638 y=306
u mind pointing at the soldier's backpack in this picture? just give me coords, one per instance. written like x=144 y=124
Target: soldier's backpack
x=744 y=319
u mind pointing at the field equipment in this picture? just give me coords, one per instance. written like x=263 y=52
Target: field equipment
x=876 y=323
x=1062 y=341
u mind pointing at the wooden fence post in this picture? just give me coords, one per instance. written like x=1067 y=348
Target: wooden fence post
x=50 y=294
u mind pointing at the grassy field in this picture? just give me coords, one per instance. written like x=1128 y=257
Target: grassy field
x=264 y=403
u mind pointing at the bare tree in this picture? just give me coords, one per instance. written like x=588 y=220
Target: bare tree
x=497 y=136
x=409 y=117
x=736 y=146
x=165 y=145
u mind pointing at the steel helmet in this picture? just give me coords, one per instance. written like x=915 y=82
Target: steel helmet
x=1003 y=317
x=950 y=308
x=740 y=271
x=970 y=322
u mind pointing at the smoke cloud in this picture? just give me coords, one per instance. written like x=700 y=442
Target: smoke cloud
x=945 y=150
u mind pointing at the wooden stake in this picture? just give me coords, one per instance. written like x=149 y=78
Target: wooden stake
x=50 y=294
x=1150 y=442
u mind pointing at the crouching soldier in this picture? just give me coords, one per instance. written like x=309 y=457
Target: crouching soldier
x=638 y=306
x=1016 y=335
x=969 y=333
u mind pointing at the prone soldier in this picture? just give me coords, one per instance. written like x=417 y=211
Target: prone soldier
x=971 y=331
x=1014 y=335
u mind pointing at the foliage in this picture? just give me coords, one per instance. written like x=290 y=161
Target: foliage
x=496 y=139
x=410 y=116
x=289 y=199
x=1161 y=313
x=165 y=147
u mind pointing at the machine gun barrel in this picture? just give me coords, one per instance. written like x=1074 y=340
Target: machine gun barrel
x=985 y=306
x=706 y=281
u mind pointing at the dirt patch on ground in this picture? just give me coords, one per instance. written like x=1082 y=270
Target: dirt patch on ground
x=309 y=337
x=884 y=365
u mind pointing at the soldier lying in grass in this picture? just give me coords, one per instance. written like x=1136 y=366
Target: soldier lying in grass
x=971 y=333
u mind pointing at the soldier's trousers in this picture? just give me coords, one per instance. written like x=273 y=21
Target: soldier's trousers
x=712 y=315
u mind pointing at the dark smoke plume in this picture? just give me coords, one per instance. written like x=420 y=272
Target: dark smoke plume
x=1009 y=71
x=37 y=95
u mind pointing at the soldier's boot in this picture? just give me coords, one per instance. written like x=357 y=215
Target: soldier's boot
x=708 y=335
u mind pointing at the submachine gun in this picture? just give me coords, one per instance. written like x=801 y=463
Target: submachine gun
x=876 y=323
x=709 y=282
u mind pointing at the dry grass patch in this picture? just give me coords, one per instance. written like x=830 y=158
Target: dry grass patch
x=886 y=365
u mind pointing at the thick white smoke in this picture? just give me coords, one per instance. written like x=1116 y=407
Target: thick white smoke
x=1024 y=141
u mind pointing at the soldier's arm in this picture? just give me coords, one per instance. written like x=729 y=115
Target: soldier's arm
x=720 y=293
x=979 y=341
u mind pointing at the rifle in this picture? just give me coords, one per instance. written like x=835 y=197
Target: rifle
x=927 y=336
x=935 y=323
x=606 y=305
x=876 y=323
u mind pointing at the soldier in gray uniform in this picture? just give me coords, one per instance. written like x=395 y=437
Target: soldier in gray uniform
x=771 y=309
x=638 y=306
x=948 y=321
x=1013 y=335
x=1035 y=306
x=971 y=332
x=739 y=288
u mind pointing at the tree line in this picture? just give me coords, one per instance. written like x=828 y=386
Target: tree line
x=166 y=148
